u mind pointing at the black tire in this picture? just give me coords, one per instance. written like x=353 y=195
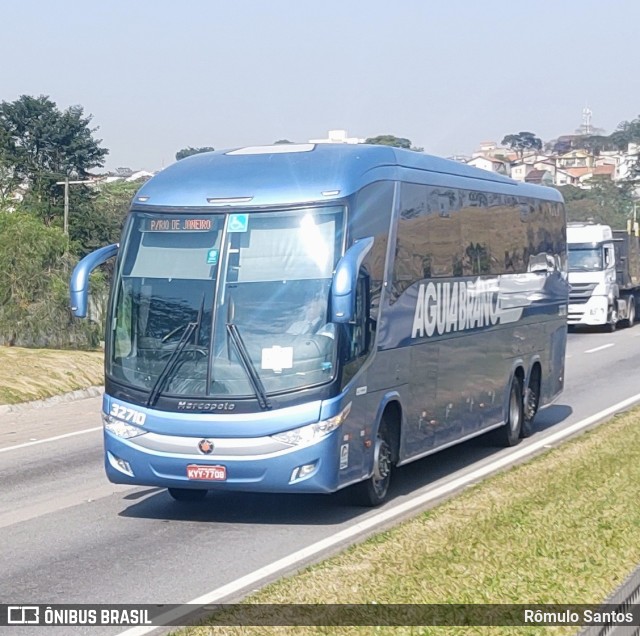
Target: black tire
x=509 y=434
x=612 y=320
x=631 y=320
x=531 y=402
x=373 y=491
x=187 y=494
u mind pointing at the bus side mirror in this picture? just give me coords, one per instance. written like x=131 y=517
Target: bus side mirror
x=79 y=284
x=345 y=279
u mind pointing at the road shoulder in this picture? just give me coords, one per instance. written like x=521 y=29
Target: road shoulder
x=43 y=419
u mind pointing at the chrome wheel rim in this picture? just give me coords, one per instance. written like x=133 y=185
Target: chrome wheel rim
x=381 y=467
x=531 y=402
x=514 y=411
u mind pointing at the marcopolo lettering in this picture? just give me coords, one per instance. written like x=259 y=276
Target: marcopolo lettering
x=446 y=307
x=206 y=406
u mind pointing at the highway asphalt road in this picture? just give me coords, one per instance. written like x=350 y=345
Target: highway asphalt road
x=68 y=536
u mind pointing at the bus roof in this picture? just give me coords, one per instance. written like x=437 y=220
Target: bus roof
x=289 y=174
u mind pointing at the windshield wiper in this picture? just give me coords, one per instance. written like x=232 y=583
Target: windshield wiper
x=171 y=363
x=168 y=368
x=249 y=367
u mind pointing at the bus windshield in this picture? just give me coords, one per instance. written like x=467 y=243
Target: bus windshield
x=262 y=278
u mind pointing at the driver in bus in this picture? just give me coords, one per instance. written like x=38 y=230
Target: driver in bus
x=314 y=321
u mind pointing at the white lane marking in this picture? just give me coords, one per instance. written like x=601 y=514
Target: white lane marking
x=600 y=348
x=50 y=439
x=48 y=505
x=254 y=578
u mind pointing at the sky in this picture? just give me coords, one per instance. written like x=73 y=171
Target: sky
x=161 y=75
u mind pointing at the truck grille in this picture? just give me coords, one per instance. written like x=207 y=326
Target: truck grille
x=580 y=293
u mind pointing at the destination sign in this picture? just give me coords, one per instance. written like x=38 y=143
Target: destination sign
x=179 y=225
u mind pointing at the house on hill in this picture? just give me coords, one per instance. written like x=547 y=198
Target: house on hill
x=492 y=164
x=540 y=177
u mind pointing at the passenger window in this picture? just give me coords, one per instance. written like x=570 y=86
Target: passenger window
x=428 y=236
x=477 y=233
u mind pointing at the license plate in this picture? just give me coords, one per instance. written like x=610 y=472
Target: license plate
x=207 y=473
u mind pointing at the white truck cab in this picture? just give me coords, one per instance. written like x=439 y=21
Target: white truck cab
x=594 y=298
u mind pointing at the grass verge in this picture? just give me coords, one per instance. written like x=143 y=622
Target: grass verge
x=33 y=374
x=563 y=528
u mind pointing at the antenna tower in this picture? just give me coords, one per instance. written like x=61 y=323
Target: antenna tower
x=586 y=120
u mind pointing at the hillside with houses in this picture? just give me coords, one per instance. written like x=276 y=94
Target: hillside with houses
x=559 y=165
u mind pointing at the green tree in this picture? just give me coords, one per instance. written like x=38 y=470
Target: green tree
x=594 y=144
x=282 y=141
x=187 y=152
x=391 y=140
x=522 y=141
x=39 y=145
x=626 y=133
x=34 y=287
x=98 y=220
x=605 y=202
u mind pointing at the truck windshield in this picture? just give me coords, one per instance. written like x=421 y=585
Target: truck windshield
x=267 y=274
x=585 y=259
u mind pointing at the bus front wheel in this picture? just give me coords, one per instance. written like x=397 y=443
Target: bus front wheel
x=373 y=491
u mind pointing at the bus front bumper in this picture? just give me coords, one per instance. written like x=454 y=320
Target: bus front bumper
x=306 y=469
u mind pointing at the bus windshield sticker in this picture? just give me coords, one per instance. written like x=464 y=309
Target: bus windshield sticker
x=277 y=358
x=212 y=257
x=238 y=223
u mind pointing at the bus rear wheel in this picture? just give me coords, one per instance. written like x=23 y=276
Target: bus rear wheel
x=509 y=434
x=187 y=494
x=373 y=491
x=531 y=402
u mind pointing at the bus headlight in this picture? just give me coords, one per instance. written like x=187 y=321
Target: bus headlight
x=120 y=428
x=312 y=433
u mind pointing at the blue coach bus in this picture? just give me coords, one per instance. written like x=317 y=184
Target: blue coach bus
x=303 y=318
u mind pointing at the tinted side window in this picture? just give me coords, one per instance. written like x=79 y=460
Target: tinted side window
x=428 y=236
x=447 y=232
x=409 y=264
x=494 y=233
x=371 y=216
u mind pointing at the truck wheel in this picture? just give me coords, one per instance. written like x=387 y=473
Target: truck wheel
x=373 y=491
x=630 y=321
